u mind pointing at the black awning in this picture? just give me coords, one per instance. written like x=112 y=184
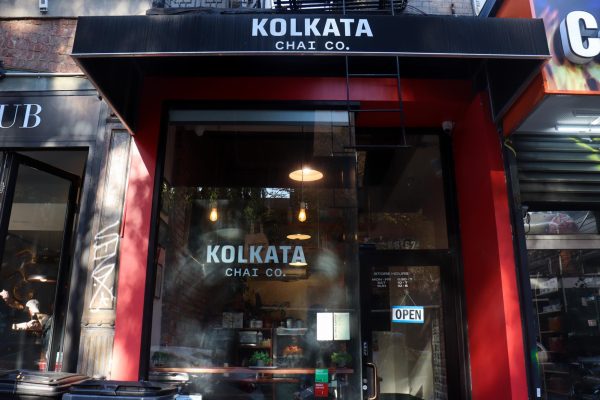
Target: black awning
x=116 y=52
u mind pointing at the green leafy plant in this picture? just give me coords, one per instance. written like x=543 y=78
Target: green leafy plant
x=259 y=357
x=341 y=359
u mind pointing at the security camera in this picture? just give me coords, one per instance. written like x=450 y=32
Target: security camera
x=447 y=126
x=43 y=6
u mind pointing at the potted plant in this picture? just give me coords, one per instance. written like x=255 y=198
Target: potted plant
x=341 y=359
x=260 y=359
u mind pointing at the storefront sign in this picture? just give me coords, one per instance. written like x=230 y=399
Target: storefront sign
x=579 y=37
x=20 y=115
x=573 y=35
x=311 y=29
x=227 y=34
x=48 y=118
x=408 y=314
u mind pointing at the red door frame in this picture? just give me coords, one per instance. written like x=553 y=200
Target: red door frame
x=427 y=104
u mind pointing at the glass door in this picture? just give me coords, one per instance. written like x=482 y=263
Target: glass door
x=38 y=207
x=402 y=325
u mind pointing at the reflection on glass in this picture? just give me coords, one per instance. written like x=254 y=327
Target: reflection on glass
x=259 y=301
x=565 y=284
x=401 y=194
x=560 y=223
x=408 y=349
x=29 y=269
x=238 y=302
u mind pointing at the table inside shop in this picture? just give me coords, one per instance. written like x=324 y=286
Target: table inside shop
x=256 y=375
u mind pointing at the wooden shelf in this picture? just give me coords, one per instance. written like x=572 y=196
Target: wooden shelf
x=253 y=346
x=243 y=370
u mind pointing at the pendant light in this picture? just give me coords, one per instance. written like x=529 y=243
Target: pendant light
x=298 y=236
x=302 y=212
x=213 y=216
x=306 y=174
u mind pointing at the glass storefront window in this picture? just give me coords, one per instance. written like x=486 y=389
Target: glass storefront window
x=564 y=271
x=36 y=221
x=263 y=216
x=560 y=223
x=401 y=194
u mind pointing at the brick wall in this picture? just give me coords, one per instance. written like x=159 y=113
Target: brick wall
x=39 y=45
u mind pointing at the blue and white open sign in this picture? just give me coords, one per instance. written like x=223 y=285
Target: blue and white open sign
x=408 y=314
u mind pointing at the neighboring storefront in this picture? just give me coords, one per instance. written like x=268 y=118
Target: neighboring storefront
x=314 y=210
x=63 y=169
x=552 y=154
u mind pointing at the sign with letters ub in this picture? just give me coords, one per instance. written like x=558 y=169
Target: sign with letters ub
x=408 y=314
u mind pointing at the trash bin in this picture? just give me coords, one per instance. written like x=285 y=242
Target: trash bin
x=36 y=385
x=120 y=390
x=181 y=380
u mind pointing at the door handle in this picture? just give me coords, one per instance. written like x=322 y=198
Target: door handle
x=375 y=382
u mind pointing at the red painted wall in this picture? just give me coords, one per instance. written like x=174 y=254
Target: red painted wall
x=493 y=313
x=492 y=303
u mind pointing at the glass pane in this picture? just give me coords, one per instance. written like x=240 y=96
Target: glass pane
x=30 y=268
x=560 y=223
x=401 y=192
x=408 y=342
x=565 y=284
x=258 y=261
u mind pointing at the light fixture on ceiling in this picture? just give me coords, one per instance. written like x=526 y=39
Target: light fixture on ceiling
x=588 y=114
x=214 y=214
x=306 y=174
x=581 y=129
x=302 y=212
x=40 y=278
x=298 y=264
x=298 y=236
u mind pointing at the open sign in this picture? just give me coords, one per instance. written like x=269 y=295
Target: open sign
x=408 y=314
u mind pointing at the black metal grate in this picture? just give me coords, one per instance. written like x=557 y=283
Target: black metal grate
x=558 y=169
x=341 y=6
x=334 y=6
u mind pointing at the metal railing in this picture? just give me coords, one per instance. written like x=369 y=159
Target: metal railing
x=338 y=6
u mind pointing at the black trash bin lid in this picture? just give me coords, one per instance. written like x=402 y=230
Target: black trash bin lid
x=169 y=377
x=24 y=376
x=97 y=387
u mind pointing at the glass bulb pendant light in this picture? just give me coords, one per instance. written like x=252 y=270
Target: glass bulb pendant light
x=214 y=215
x=302 y=212
x=306 y=174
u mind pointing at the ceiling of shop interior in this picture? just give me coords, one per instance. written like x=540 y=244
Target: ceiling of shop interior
x=561 y=109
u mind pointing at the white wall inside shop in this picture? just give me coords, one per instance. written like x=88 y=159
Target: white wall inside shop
x=73 y=8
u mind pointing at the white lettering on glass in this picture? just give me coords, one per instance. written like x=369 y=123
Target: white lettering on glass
x=274 y=254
